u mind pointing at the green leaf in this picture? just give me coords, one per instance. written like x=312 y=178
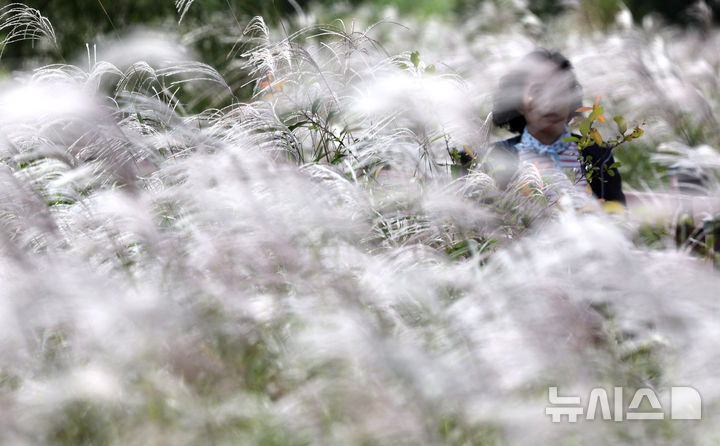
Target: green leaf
x=595 y=113
x=637 y=132
x=339 y=155
x=585 y=126
x=571 y=139
x=297 y=124
x=331 y=115
x=430 y=69
x=415 y=58
x=621 y=124
x=454 y=155
x=315 y=106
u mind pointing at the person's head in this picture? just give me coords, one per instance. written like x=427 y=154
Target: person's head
x=542 y=94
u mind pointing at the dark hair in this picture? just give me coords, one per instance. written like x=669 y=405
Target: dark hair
x=508 y=98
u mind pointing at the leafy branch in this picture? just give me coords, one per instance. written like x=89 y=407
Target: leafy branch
x=590 y=135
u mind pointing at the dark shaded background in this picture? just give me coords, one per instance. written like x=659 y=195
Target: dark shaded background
x=79 y=21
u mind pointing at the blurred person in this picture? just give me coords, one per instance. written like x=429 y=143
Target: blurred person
x=536 y=100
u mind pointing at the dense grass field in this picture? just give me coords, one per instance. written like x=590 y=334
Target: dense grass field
x=275 y=251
